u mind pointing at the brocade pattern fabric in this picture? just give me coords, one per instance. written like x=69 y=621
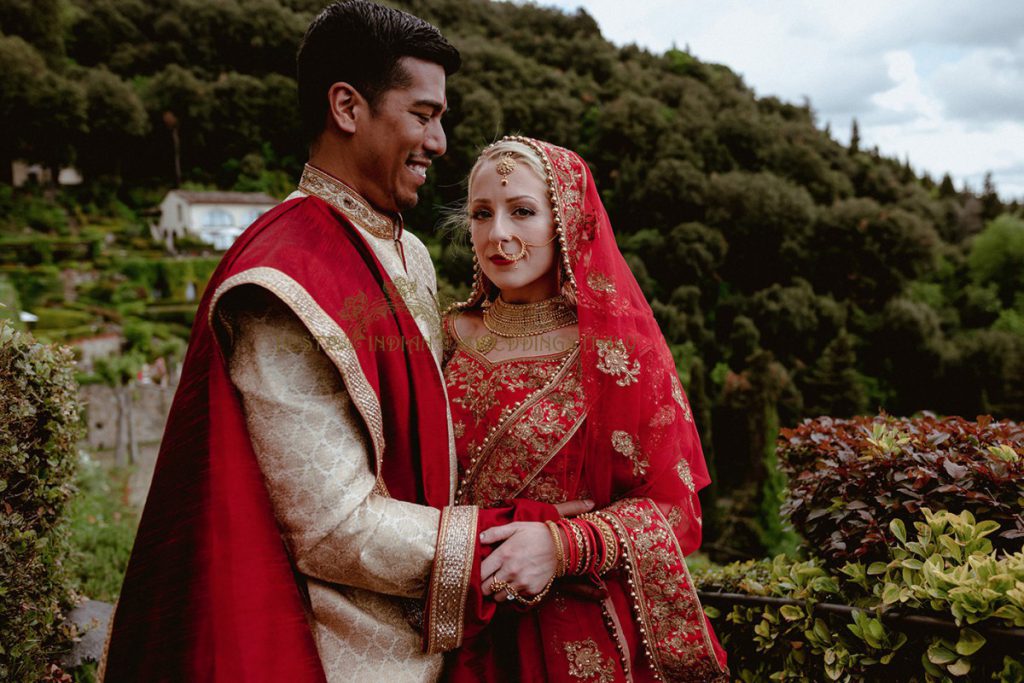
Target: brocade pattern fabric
x=359 y=553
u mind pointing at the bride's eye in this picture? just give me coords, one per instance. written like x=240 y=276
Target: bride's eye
x=524 y=211
x=479 y=214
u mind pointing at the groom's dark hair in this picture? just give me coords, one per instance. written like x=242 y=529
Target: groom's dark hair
x=360 y=43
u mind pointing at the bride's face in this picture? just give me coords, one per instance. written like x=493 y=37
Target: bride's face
x=506 y=214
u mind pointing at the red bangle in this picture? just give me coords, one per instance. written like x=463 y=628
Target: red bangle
x=602 y=556
x=572 y=552
x=592 y=541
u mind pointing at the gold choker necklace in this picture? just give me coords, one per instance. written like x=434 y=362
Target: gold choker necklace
x=525 y=320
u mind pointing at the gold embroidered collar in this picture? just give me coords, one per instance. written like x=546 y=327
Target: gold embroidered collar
x=346 y=200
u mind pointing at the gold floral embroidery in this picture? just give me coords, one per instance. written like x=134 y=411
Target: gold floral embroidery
x=524 y=443
x=481 y=387
x=360 y=311
x=459 y=429
x=613 y=359
x=623 y=443
x=587 y=663
x=683 y=470
x=546 y=489
x=517 y=416
x=677 y=394
x=599 y=282
x=665 y=416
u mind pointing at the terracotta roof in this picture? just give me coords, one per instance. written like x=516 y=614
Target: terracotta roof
x=225 y=197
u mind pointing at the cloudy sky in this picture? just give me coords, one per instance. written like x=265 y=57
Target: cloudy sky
x=942 y=82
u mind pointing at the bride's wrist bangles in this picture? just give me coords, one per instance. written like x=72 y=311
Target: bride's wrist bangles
x=556 y=538
x=590 y=545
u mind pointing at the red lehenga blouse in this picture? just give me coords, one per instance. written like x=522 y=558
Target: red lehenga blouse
x=606 y=420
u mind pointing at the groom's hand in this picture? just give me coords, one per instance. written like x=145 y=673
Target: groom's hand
x=526 y=558
x=574 y=507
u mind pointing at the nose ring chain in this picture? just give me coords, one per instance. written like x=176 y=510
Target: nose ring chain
x=524 y=251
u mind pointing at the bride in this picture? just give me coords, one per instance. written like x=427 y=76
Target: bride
x=562 y=387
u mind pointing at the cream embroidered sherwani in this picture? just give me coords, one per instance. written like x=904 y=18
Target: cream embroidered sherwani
x=365 y=558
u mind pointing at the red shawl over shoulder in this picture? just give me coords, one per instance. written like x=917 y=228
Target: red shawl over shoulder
x=210 y=594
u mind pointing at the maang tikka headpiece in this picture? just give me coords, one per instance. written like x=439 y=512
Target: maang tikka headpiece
x=506 y=165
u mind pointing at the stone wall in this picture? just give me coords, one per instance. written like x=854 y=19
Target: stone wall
x=151 y=404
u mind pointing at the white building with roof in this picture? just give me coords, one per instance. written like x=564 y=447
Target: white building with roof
x=217 y=218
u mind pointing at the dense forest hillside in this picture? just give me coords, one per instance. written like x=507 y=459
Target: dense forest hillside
x=794 y=276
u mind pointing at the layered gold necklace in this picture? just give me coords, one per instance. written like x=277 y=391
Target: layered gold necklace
x=525 y=320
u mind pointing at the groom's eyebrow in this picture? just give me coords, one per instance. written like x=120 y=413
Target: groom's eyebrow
x=434 y=105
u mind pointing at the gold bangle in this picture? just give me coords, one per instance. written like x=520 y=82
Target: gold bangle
x=556 y=538
x=530 y=602
x=584 y=547
x=611 y=544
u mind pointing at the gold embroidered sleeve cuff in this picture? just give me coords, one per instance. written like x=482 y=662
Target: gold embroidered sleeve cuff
x=449 y=581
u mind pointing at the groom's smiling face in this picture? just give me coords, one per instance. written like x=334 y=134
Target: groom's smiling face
x=401 y=134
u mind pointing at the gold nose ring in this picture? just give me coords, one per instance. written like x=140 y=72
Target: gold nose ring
x=519 y=255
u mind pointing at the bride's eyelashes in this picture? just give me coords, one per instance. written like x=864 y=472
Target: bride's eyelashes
x=519 y=211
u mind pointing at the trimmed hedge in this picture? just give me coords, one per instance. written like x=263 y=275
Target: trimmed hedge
x=62 y=318
x=849 y=479
x=171 y=276
x=948 y=572
x=31 y=250
x=36 y=285
x=39 y=430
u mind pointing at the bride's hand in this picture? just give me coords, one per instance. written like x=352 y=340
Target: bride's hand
x=526 y=558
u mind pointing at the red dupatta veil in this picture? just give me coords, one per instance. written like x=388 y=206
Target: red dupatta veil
x=636 y=408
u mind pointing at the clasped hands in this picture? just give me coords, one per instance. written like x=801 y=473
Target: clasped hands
x=525 y=560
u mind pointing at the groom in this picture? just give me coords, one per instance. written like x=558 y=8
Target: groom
x=300 y=511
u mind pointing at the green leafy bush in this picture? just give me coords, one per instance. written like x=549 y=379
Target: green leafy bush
x=102 y=526
x=39 y=430
x=848 y=479
x=949 y=572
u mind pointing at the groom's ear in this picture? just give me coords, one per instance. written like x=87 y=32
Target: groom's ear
x=345 y=106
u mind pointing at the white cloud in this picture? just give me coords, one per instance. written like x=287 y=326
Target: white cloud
x=985 y=85
x=907 y=95
x=942 y=82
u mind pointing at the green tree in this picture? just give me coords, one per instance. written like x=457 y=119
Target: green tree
x=116 y=120
x=39 y=22
x=997 y=256
x=178 y=103
x=833 y=386
x=766 y=222
x=866 y=253
x=41 y=112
